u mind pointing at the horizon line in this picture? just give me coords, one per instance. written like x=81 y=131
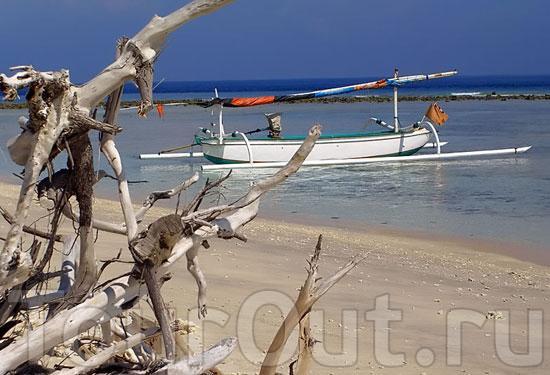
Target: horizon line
x=346 y=78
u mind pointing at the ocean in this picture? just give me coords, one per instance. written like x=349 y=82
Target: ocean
x=505 y=198
x=456 y=84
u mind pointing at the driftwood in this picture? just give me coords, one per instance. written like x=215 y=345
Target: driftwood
x=82 y=181
x=311 y=291
x=165 y=194
x=58 y=116
x=122 y=293
x=69 y=261
x=52 y=99
x=154 y=247
x=200 y=363
x=110 y=352
x=60 y=119
x=27 y=229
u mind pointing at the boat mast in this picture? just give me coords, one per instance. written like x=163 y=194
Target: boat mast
x=220 y=119
x=395 y=113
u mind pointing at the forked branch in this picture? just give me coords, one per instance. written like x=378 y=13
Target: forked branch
x=165 y=194
x=311 y=291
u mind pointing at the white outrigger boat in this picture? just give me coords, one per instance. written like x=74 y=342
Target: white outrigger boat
x=235 y=149
x=394 y=143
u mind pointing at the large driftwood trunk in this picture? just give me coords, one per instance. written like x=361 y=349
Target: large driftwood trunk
x=55 y=104
x=81 y=181
x=48 y=119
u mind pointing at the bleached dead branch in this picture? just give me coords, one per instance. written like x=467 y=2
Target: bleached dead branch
x=56 y=106
x=123 y=293
x=311 y=291
x=61 y=116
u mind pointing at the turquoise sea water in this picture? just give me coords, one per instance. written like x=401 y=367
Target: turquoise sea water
x=504 y=198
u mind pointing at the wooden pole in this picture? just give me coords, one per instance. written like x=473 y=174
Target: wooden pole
x=395 y=113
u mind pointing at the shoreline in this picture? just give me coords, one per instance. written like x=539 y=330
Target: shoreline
x=522 y=251
x=519 y=251
x=337 y=99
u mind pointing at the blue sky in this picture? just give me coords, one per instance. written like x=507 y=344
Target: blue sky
x=264 y=39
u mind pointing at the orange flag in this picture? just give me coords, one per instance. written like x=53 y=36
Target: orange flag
x=436 y=114
x=160 y=110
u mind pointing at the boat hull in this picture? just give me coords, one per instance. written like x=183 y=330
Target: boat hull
x=387 y=159
x=234 y=150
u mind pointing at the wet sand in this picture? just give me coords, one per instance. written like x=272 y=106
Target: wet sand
x=426 y=278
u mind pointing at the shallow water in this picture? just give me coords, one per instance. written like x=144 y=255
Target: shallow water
x=504 y=198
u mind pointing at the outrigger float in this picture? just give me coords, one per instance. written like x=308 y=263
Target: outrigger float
x=395 y=143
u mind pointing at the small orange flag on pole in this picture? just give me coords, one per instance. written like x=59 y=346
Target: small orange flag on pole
x=160 y=110
x=436 y=114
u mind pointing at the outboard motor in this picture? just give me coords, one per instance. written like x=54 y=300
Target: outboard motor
x=274 y=121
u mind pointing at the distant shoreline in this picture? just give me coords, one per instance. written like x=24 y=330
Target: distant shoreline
x=344 y=99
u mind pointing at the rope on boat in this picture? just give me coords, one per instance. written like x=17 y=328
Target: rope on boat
x=177 y=148
x=256 y=131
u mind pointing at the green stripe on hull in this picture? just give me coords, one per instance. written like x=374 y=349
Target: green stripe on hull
x=406 y=153
x=217 y=160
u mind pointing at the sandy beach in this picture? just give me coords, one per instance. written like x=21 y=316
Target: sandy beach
x=427 y=283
